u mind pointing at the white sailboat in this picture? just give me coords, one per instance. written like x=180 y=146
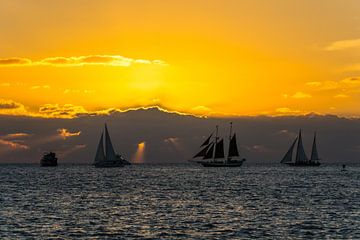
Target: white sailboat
x=212 y=152
x=108 y=158
x=301 y=159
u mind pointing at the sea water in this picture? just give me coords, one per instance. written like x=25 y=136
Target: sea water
x=179 y=202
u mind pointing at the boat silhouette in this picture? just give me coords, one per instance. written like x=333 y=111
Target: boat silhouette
x=48 y=160
x=212 y=152
x=108 y=158
x=301 y=159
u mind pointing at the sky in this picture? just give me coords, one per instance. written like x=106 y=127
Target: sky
x=209 y=58
x=164 y=73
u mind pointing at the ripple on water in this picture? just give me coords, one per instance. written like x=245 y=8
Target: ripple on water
x=179 y=202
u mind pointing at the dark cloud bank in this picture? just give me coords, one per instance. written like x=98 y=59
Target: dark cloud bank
x=171 y=138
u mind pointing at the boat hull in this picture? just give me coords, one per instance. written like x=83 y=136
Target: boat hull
x=48 y=163
x=304 y=164
x=223 y=164
x=108 y=164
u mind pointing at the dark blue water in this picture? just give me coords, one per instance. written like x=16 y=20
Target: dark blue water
x=179 y=202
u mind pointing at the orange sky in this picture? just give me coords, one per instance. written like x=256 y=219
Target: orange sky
x=213 y=57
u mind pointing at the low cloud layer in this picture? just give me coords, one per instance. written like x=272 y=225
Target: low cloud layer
x=104 y=60
x=154 y=136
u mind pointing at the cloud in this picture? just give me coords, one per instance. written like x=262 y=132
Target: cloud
x=10 y=107
x=287 y=133
x=103 y=60
x=13 y=145
x=16 y=135
x=64 y=133
x=64 y=111
x=344 y=44
x=14 y=61
x=9 y=104
x=39 y=87
x=341 y=96
x=287 y=111
x=344 y=84
x=301 y=95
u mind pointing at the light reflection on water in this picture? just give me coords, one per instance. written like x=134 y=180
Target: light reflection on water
x=179 y=202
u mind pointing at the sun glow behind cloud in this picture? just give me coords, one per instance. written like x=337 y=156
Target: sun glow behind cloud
x=139 y=154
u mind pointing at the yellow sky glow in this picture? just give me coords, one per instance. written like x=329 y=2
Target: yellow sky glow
x=205 y=57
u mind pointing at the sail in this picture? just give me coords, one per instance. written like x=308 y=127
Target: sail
x=100 y=156
x=202 y=153
x=233 y=150
x=219 y=149
x=207 y=141
x=314 y=153
x=288 y=156
x=109 y=149
x=300 y=153
x=210 y=153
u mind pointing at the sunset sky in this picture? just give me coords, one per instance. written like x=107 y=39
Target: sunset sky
x=203 y=57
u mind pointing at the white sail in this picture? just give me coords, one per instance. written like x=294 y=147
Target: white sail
x=300 y=153
x=314 y=153
x=100 y=155
x=288 y=156
x=109 y=149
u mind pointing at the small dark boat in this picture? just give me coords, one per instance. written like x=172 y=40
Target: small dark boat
x=212 y=152
x=301 y=160
x=48 y=160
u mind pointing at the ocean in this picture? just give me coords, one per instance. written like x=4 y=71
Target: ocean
x=179 y=202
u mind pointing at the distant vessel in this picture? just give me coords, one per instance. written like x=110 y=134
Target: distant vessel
x=48 y=160
x=212 y=152
x=301 y=159
x=108 y=158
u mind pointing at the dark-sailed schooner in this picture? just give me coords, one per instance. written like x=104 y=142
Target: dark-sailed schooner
x=108 y=158
x=212 y=152
x=301 y=159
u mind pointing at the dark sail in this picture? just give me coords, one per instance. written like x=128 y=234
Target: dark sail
x=233 y=150
x=207 y=141
x=300 y=153
x=219 y=149
x=288 y=156
x=314 y=153
x=202 y=153
x=210 y=153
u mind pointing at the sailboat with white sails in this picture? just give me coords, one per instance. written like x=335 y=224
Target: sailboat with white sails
x=301 y=159
x=108 y=158
x=212 y=152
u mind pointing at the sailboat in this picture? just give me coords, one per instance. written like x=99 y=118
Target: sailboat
x=108 y=158
x=301 y=159
x=212 y=152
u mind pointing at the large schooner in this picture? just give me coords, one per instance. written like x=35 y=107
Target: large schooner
x=212 y=152
x=108 y=158
x=301 y=159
